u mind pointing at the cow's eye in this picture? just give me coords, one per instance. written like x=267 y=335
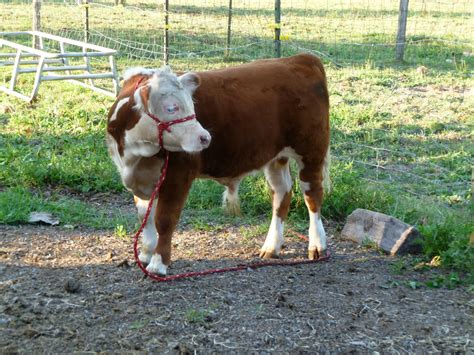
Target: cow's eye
x=171 y=108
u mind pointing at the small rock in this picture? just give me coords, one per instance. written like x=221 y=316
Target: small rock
x=123 y=263
x=5 y=320
x=27 y=318
x=30 y=332
x=43 y=217
x=72 y=286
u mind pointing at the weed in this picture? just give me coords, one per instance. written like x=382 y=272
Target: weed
x=139 y=324
x=399 y=267
x=450 y=241
x=414 y=284
x=120 y=231
x=197 y=316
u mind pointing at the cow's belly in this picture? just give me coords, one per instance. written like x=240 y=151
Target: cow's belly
x=231 y=169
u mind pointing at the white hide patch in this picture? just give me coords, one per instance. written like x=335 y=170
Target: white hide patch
x=114 y=153
x=142 y=139
x=305 y=186
x=131 y=72
x=279 y=179
x=156 y=265
x=290 y=153
x=118 y=107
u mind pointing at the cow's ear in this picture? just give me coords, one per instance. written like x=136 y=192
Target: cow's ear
x=141 y=97
x=190 y=81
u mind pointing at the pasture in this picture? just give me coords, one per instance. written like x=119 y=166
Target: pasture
x=401 y=144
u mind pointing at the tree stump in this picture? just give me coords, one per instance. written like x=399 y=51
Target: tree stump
x=388 y=233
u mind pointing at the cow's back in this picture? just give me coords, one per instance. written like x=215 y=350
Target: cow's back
x=255 y=110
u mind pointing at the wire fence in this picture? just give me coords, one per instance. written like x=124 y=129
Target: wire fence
x=346 y=32
x=203 y=34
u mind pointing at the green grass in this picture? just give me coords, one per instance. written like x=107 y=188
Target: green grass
x=401 y=133
x=16 y=203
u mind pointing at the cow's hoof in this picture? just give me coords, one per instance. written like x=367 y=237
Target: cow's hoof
x=268 y=254
x=232 y=209
x=314 y=254
x=145 y=258
x=156 y=266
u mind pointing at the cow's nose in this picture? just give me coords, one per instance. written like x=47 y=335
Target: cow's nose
x=205 y=141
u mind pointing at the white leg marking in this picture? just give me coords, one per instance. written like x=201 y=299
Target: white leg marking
x=317 y=235
x=156 y=265
x=150 y=236
x=274 y=239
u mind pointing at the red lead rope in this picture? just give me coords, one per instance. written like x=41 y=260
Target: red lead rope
x=251 y=266
x=165 y=126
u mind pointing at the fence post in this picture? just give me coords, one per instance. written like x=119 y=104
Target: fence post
x=402 y=28
x=36 y=21
x=229 y=30
x=277 y=28
x=166 y=35
x=86 y=21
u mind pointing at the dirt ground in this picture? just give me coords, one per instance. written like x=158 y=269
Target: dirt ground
x=78 y=290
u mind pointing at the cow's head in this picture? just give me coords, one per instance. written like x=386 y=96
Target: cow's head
x=168 y=97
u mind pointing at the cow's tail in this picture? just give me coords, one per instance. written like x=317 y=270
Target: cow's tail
x=326 y=177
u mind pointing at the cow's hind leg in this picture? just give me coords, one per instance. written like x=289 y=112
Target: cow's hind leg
x=311 y=180
x=150 y=236
x=230 y=199
x=278 y=176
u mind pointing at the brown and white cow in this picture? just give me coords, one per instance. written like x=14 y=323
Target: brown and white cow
x=259 y=115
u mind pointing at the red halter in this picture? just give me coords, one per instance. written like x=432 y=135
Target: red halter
x=163 y=125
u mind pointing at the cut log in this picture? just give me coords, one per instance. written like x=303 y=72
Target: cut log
x=388 y=233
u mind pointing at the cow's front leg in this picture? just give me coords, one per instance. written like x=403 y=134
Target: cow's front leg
x=170 y=203
x=149 y=240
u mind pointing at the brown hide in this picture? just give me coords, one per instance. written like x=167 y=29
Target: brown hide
x=252 y=112
x=255 y=110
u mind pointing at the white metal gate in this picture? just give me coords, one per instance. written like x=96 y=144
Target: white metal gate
x=46 y=64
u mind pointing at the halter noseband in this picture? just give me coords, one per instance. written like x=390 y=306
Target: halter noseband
x=163 y=125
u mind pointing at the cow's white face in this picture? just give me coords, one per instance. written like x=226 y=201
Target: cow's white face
x=168 y=97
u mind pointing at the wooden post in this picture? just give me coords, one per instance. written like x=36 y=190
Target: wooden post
x=277 y=28
x=36 y=22
x=229 y=30
x=165 y=37
x=86 y=21
x=402 y=28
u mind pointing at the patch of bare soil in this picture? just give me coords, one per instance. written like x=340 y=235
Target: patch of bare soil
x=63 y=291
